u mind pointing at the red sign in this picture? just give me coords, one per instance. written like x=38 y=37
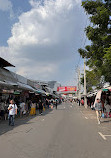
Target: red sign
x=65 y=89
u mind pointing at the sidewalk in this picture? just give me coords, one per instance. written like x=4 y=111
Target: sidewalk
x=89 y=114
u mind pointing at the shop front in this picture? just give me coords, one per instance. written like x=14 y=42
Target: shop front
x=105 y=96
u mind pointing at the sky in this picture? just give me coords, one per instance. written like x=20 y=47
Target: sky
x=41 y=38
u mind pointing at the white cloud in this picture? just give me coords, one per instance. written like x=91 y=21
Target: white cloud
x=6 y=5
x=45 y=37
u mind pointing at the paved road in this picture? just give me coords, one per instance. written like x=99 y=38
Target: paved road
x=62 y=133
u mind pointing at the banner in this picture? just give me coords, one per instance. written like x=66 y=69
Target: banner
x=68 y=88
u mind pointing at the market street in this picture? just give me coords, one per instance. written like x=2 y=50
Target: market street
x=62 y=133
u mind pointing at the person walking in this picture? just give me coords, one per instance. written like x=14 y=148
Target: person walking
x=12 y=111
x=2 y=109
x=47 y=103
x=6 y=111
x=79 y=102
x=40 y=107
x=98 y=108
x=22 y=108
x=82 y=102
x=56 y=103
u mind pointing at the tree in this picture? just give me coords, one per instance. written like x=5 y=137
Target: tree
x=99 y=33
x=107 y=64
x=93 y=79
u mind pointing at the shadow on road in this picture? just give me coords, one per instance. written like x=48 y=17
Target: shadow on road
x=61 y=109
x=4 y=127
x=106 y=121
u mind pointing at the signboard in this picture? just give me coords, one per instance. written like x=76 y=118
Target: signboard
x=7 y=91
x=17 y=93
x=70 y=95
x=68 y=88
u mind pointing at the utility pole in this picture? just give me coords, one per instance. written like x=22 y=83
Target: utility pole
x=85 y=91
x=79 y=85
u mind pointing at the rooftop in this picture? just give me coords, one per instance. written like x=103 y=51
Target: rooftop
x=4 y=63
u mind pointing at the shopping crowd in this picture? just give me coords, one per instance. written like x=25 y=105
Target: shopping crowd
x=11 y=107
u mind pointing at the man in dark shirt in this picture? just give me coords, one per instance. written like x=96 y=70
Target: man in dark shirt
x=47 y=103
x=40 y=107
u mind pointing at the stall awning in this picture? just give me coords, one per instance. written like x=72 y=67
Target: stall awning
x=11 y=83
x=8 y=84
x=109 y=88
x=105 y=90
x=4 y=63
x=92 y=94
x=25 y=87
x=52 y=94
x=2 y=83
x=40 y=91
x=55 y=96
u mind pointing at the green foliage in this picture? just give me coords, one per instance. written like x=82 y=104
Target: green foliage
x=107 y=64
x=98 y=54
x=93 y=78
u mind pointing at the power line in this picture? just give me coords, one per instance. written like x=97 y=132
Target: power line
x=83 y=41
x=79 y=85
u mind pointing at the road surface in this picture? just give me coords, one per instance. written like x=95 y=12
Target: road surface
x=62 y=133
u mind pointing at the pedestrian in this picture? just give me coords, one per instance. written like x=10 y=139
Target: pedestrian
x=56 y=103
x=12 y=112
x=82 y=102
x=6 y=111
x=33 y=108
x=2 y=109
x=40 y=107
x=103 y=108
x=47 y=103
x=22 y=108
x=92 y=106
x=29 y=103
x=79 y=102
x=98 y=108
